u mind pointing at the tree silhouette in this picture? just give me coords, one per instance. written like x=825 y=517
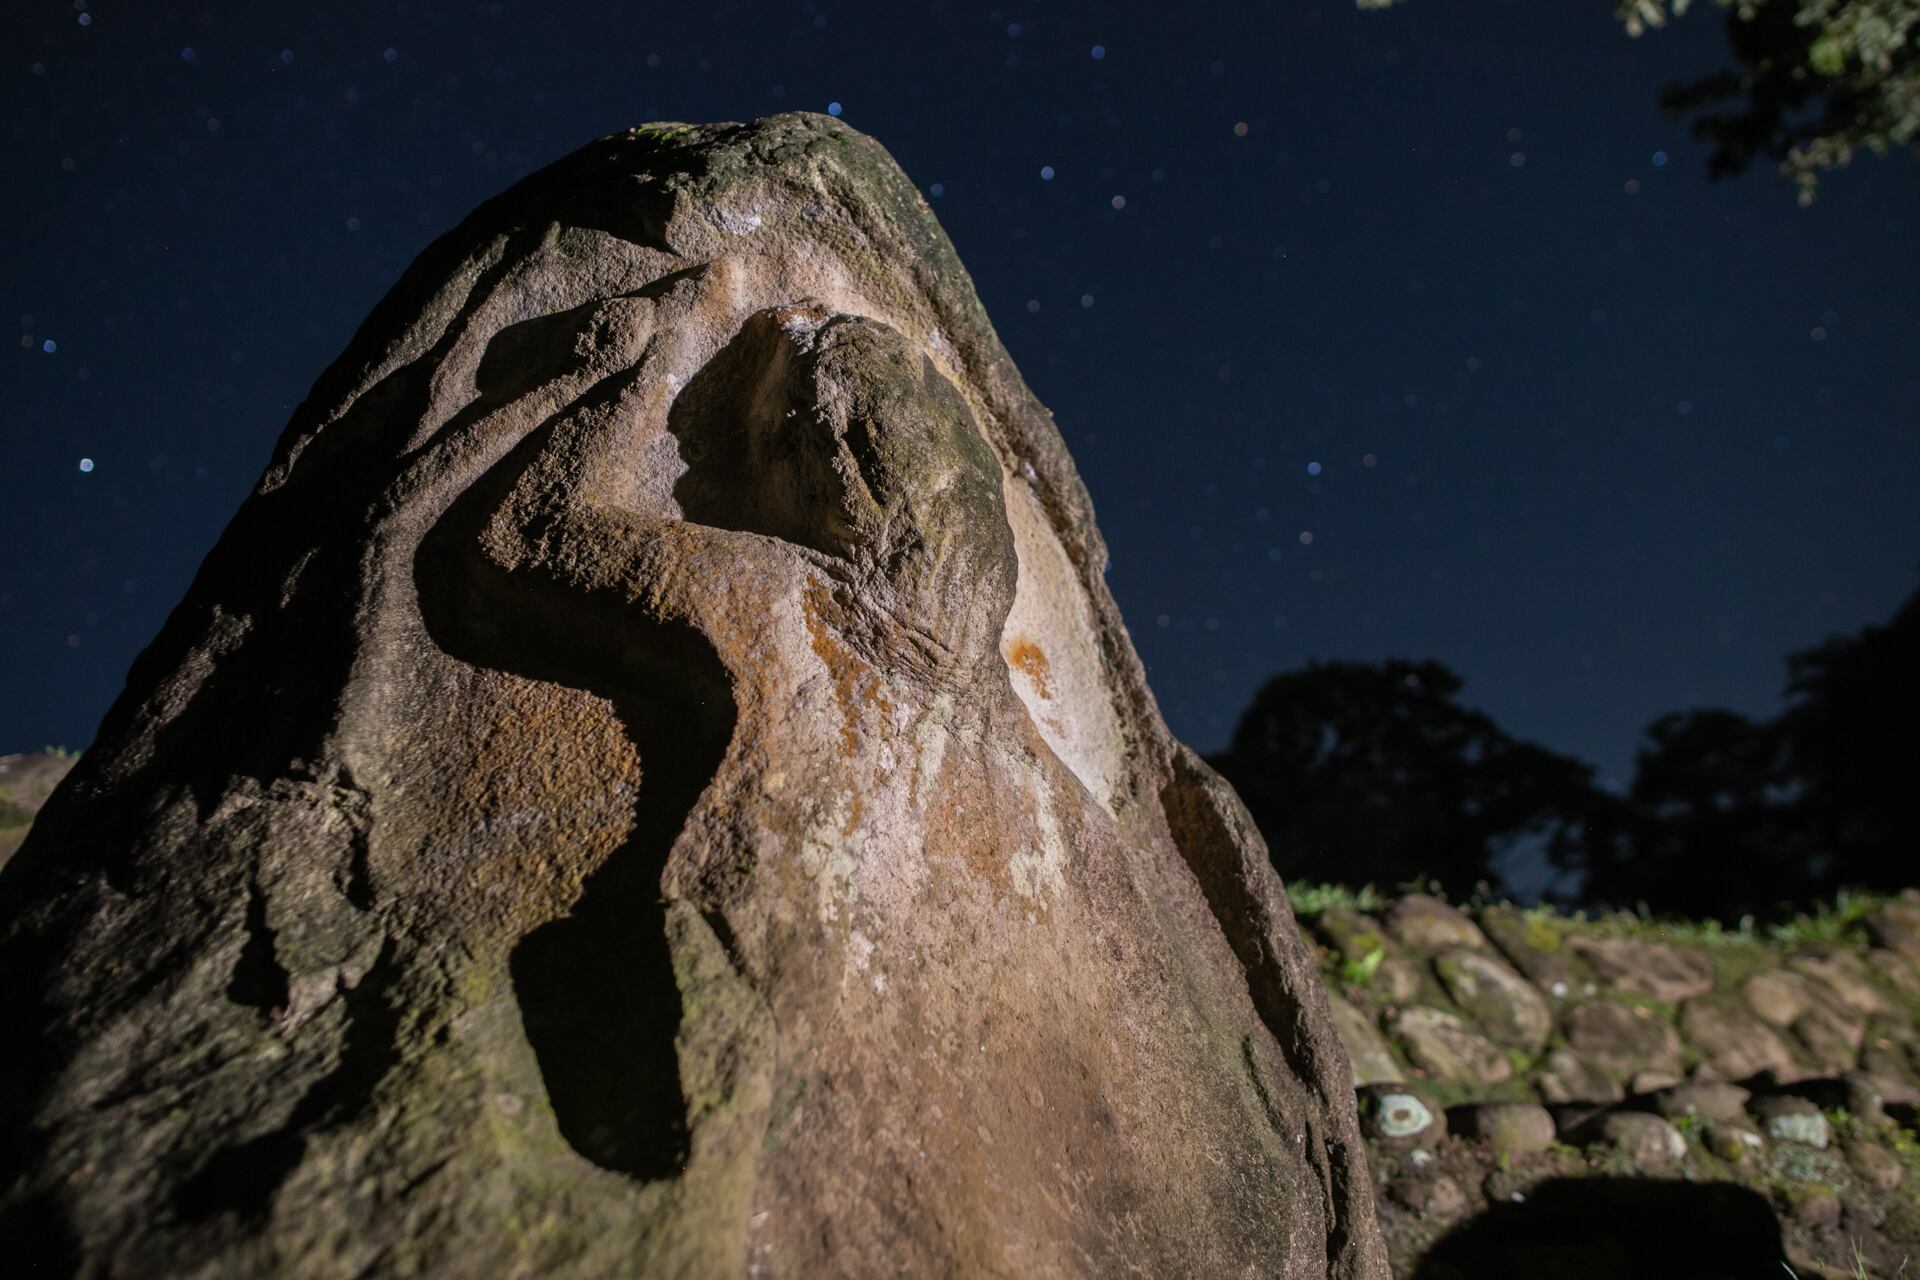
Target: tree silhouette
x=1708 y=829
x=1853 y=709
x=1816 y=81
x=1363 y=772
x=1733 y=816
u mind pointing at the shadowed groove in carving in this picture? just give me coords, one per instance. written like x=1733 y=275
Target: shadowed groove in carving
x=759 y=458
x=258 y=980
x=530 y=354
x=596 y=987
x=242 y=1179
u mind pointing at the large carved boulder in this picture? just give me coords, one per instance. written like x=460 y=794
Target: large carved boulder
x=653 y=783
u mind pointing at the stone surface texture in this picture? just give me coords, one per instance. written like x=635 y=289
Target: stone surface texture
x=1621 y=1039
x=1565 y=1076
x=1645 y=1140
x=653 y=782
x=1422 y=921
x=1735 y=1043
x=1896 y=927
x=1373 y=1060
x=1708 y=1099
x=1651 y=969
x=1504 y=1005
x=1448 y=1047
x=1508 y=1128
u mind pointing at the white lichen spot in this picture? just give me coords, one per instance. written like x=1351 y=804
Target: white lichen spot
x=831 y=855
x=860 y=947
x=1053 y=616
x=801 y=328
x=880 y=983
x=1039 y=871
x=931 y=740
x=739 y=224
x=1809 y=1129
x=1402 y=1115
x=942 y=348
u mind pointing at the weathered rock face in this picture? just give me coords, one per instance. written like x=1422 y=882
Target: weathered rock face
x=653 y=782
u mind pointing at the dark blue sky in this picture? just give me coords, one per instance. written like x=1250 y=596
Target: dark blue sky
x=1628 y=447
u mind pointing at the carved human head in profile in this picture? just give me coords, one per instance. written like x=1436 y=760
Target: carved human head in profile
x=838 y=434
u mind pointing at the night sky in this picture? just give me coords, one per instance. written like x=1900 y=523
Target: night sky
x=1417 y=333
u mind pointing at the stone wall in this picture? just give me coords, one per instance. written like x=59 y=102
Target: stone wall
x=1503 y=1055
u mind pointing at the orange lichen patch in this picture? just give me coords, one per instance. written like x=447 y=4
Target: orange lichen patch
x=677 y=560
x=976 y=823
x=1026 y=657
x=856 y=685
x=960 y=825
x=547 y=796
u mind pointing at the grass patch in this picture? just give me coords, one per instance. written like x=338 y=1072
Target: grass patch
x=1448 y=1093
x=1839 y=921
x=1734 y=964
x=1310 y=900
x=1359 y=971
x=1658 y=1009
